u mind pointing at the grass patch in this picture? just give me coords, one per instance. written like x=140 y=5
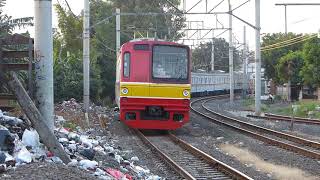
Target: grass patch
x=284 y=111
x=305 y=107
x=249 y=103
x=70 y=125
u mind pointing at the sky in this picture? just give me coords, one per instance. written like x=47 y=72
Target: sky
x=301 y=19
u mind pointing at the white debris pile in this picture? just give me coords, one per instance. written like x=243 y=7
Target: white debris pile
x=83 y=149
x=13 y=124
x=8 y=120
x=73 y=106
x=73 y=112
x=95 y=154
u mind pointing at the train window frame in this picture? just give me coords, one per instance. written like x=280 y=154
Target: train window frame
x=171 y=79
x=126 y=75
x=141 y=47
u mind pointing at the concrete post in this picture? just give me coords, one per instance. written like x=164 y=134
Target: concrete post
x=43 y=48
x=117 y=31
x=258 y=60
x=86 y=57
x=212 y=56
x=231 y=55
x=245 y=76
x=285 y=17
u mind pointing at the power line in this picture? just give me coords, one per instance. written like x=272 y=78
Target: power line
x=267 y=49
x=286 y=41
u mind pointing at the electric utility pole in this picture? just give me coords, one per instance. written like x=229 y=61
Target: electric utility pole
x=86 y=58
x=257 y=60
x=117 y=31
x=43 y=48
x=245 y=80
x=231 y=55
x=212 y=55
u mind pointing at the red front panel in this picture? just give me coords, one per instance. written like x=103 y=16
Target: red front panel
x=137 y=105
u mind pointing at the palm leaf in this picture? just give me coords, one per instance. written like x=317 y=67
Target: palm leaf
x=2 y=3
x=21 y=22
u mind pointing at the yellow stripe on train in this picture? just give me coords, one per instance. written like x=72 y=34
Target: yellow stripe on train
x=176 y=91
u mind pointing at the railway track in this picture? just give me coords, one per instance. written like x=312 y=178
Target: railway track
x=188 y=161
x=286 y=141
x=274 y=117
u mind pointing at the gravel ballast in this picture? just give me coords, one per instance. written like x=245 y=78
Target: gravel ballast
x=207 y=136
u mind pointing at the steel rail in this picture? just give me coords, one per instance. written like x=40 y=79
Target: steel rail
x=289 y=137
x=198 y=154
x=296 y=118
x=265 y=139
x=166 y=158
x=235 y=174
x=286 y=118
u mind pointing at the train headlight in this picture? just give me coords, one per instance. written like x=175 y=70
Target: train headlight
x=185 y=93
x=124 y=91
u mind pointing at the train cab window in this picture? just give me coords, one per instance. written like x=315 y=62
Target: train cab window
x=126 y=64
x=170 y=62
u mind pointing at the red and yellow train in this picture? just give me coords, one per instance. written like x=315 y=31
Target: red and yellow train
x=153 y=84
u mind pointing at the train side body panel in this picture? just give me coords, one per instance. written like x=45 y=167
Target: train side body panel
x=204 y=84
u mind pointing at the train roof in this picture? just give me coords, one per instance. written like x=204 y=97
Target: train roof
x=146 y=39
x=151 y=41
x=212 y=73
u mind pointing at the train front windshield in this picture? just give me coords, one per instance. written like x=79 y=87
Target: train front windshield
x=170 y=62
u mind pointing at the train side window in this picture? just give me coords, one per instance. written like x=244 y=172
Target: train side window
x=126 y=64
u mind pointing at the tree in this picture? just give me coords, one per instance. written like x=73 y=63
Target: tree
x=166 y=25
x=289 y=66
x=201 y=56
x=68 y=73
x=8 y=24
x=68 y=43
x=270 y=58
x=311 y=67
x=104 y=33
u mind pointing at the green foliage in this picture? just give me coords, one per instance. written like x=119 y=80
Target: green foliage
x=68 y=73
x=302 y=111
x=311 y=69
x=166 y=26
x=68 y=43
x=70 y=125
x=2 y=3
x=270 y=58
x=289 y=66
x=201 y=56
x=70 y=28
x=248 y=102
x=8 y=24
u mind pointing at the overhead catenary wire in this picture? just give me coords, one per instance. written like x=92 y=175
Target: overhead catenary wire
x=289 y=44
x=268 y=49
x=287 y=41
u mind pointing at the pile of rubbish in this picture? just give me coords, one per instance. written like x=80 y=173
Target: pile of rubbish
x=73 y=111
x=20 y=144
